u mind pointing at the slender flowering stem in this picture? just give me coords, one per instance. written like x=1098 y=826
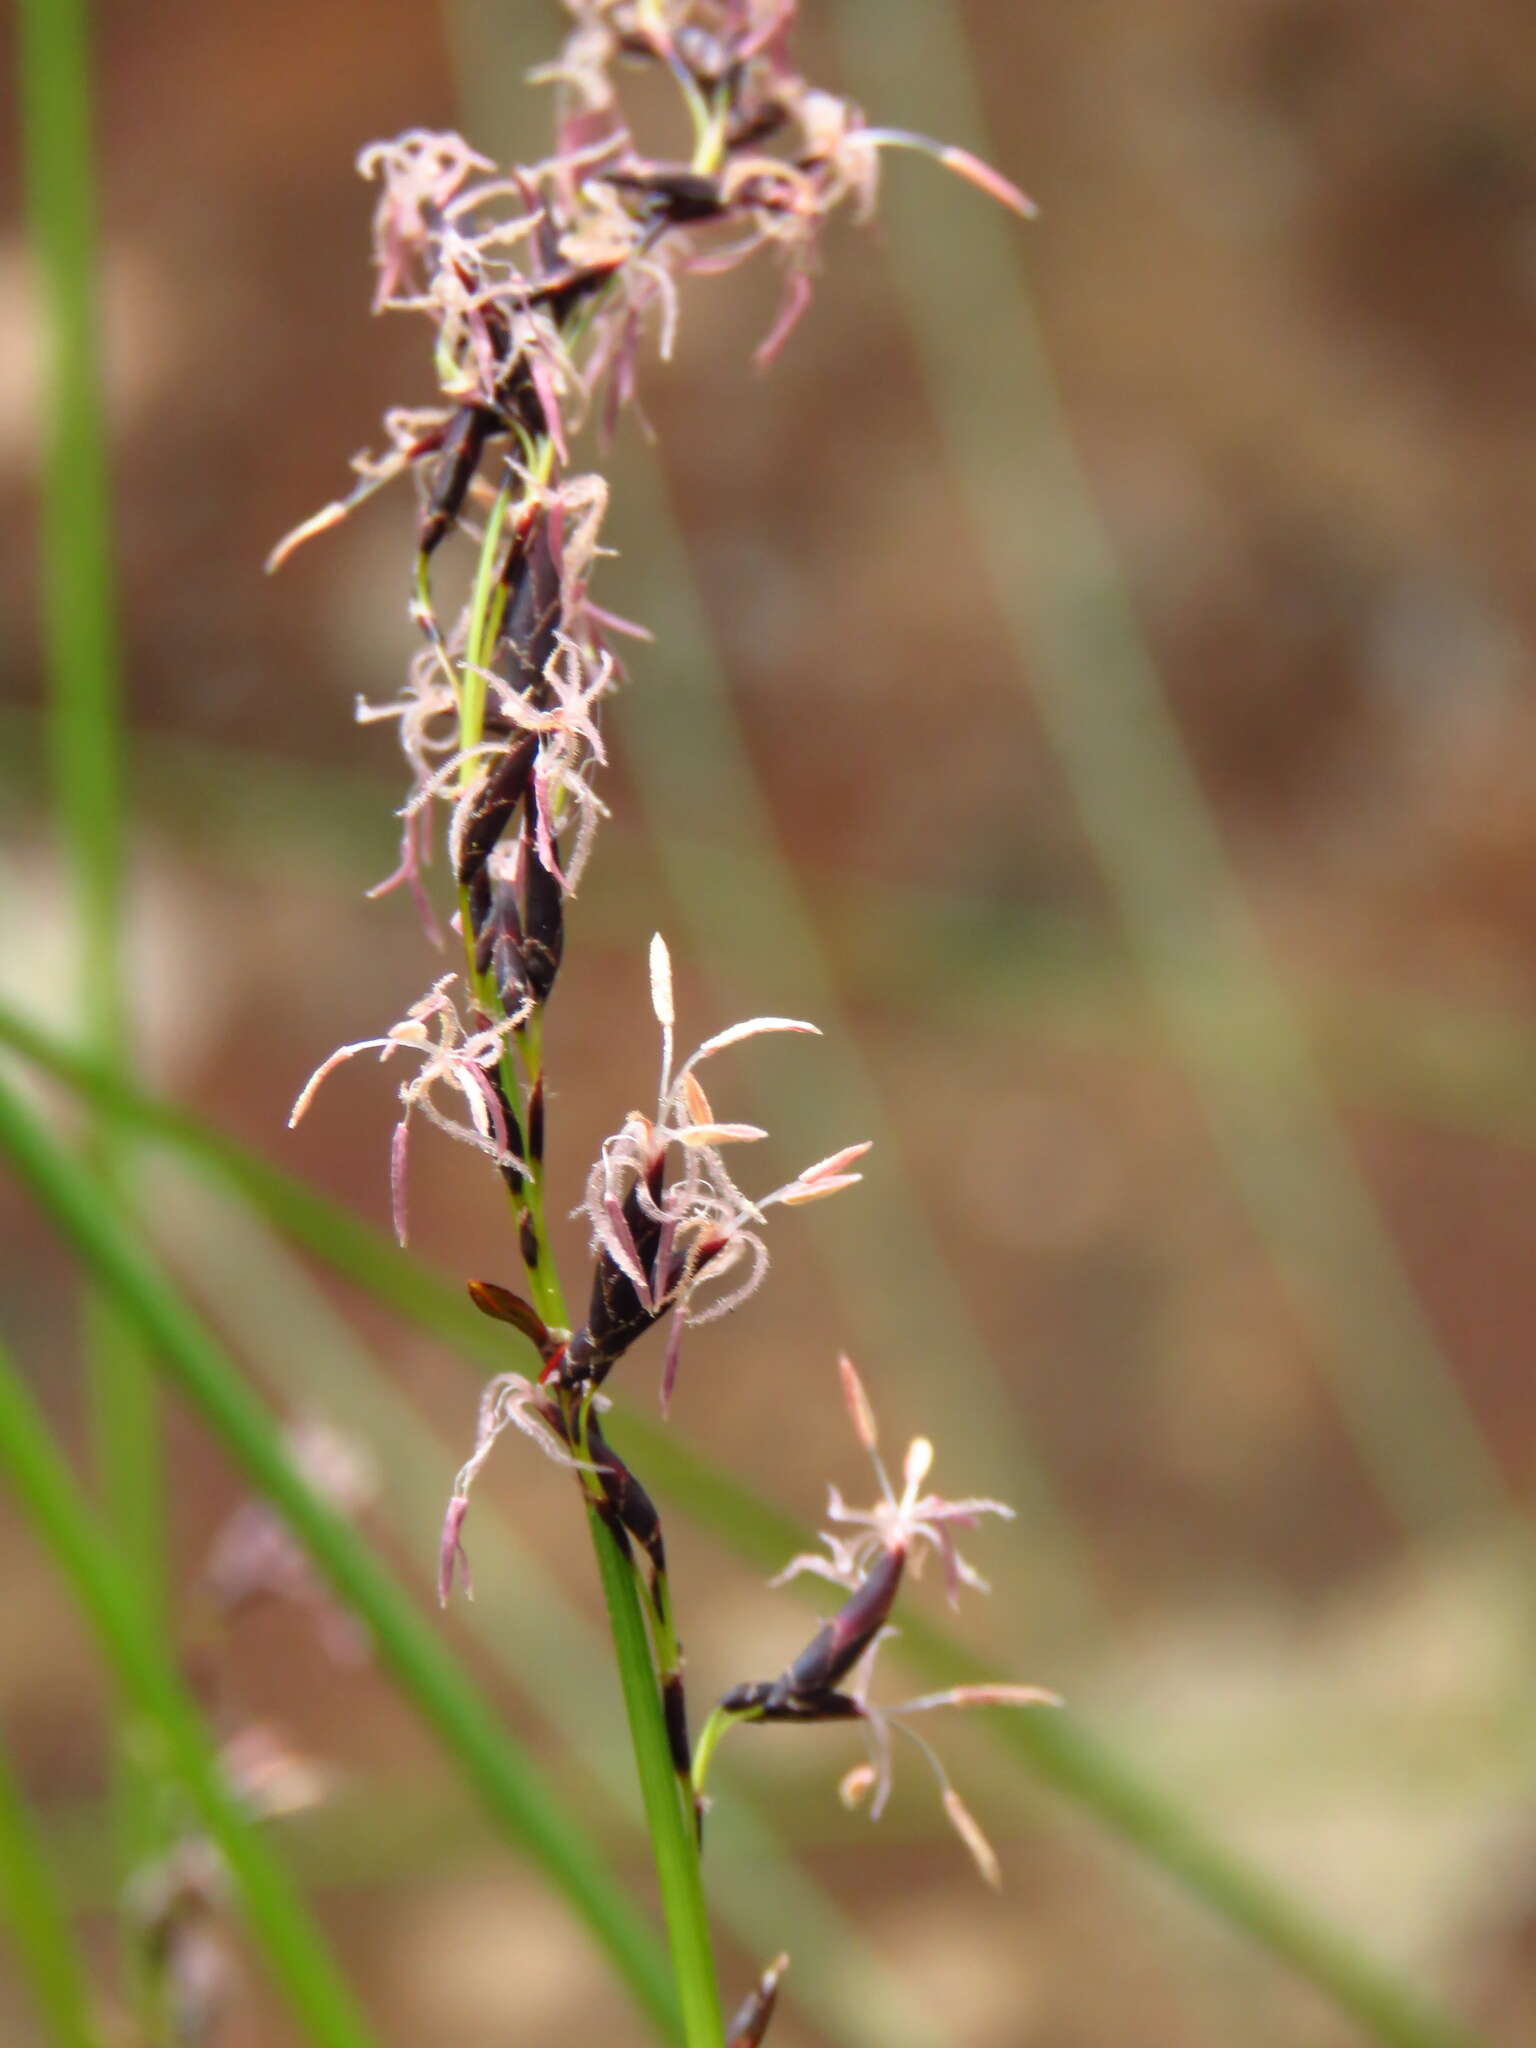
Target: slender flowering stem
x=670 y=1822
x=674 y=1839
x=541 y=286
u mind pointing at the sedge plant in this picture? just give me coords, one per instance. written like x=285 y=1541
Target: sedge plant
x=806 y=152
x=544 y=284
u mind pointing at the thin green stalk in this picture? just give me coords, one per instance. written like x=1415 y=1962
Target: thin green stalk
x=78 y=606
x=512 y=1791
x=48 y=1957
x=108 y=1597
x=675 y=1844
x=484 y=618
x=1057 y=1749
x=674 y=1841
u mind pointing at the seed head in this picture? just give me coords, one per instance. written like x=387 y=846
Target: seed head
x=832 y=1677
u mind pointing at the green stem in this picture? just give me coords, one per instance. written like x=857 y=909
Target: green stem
x=640 y=1659
x=109 y=1599
x=714 y=1731
x=669 y=1813
x=480 y=642
x=674 y=1838
x=673 y=1835
x=543 y=1275
x=512 y=1792
x=46 y=1951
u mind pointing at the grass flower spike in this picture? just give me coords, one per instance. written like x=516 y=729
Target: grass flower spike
x=542 y=286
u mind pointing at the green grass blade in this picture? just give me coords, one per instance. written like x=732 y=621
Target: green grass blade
x=1057 y=1749
x=427 y=1674
x=80 y=642
x=79 y=634
x=108 y=1598
x=76 y=561
x=48 y=1957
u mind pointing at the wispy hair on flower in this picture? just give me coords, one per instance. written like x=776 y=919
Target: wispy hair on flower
x=669 y=1222
x=461 y=1060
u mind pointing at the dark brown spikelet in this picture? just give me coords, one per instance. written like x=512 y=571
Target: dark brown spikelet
x=480 y=898
x=490 y=811
x=499 y=948
x=531 y=618
x=839 y=1643
x=616 y=1316
x=511 y=1174
x=674 y=1707
x=458 y=459
x=760 y=1700
x=750 y=2022
x=632 y=1506
x=543 y=914
x=672 y=193
x=536 y=1123
x=630 y=1512
x=503 y=1306
x=807 y=1691
x=563 y=291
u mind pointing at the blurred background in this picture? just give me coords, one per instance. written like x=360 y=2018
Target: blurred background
x=1093 y=679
